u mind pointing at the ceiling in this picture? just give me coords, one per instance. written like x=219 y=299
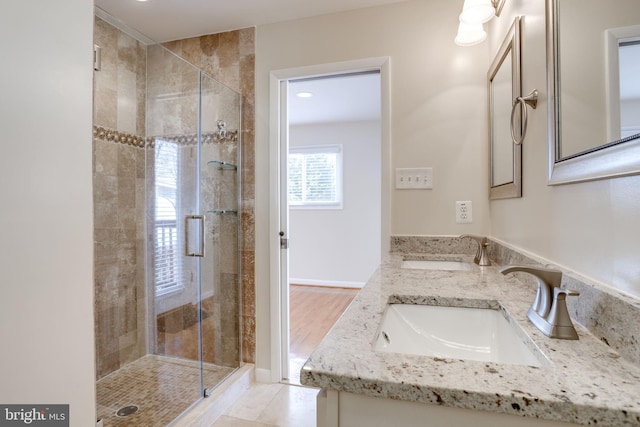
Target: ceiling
x=165 y=20
x=354 y=97
x=336 y=99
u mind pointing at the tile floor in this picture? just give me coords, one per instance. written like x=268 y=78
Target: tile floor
x=272 y=405
x=161 y=387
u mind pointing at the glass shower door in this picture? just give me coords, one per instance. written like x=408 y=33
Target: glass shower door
x=219 y=196
x=193 y=122
x=173 y=236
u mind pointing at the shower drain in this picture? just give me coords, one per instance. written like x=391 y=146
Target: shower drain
x=127 y=410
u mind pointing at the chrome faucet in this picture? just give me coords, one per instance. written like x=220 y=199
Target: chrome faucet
x=549 y=309
x=481 y=258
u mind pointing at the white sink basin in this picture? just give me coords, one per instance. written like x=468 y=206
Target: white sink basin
x=428 y=264
x=454 y=332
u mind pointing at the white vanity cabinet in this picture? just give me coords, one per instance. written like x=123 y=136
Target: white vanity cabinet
x=342 y=409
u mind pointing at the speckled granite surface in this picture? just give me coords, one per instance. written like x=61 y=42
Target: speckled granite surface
x=587 y=382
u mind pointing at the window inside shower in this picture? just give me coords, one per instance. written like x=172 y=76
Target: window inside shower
x=166 y=246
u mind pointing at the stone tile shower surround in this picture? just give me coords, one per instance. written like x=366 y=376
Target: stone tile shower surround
x=120 y=200
x=118 y=254
x=611 y=315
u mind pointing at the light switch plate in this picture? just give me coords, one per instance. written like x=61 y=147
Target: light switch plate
x=414 y=178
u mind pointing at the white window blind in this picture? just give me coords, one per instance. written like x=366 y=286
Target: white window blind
x=167 y=242
x=315 y=176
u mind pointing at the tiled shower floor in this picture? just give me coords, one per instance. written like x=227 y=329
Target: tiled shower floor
x=161 y=387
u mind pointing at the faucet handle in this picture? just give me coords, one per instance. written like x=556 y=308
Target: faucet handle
x=567 y=292
x=559 y=319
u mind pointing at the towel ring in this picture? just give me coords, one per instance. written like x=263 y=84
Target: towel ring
x=532 y=100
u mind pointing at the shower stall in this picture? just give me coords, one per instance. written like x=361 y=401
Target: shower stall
x=167 y=235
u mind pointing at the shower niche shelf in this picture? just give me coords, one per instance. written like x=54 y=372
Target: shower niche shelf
x=221 y=165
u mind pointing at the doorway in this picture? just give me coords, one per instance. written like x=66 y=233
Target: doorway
x=331 y=210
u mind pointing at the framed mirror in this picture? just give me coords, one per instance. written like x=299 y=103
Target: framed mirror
x=504 y=86
x=594 y=89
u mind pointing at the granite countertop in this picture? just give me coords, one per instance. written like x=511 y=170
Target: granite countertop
x=586 y=382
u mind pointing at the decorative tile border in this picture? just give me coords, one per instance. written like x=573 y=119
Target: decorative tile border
x=207 y=138
x=105 y=134
x=610 y=315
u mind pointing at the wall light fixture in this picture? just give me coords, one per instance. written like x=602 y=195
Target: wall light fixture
x=477 y=11
x=474 y=14
x=470 y=34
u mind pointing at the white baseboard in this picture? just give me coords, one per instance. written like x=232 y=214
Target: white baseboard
x=328 y=283
x=263 y=375
x=207 y=411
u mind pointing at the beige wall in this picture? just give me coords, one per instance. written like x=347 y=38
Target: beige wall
x=46 y=256
x=438 y=111
x=438 y=119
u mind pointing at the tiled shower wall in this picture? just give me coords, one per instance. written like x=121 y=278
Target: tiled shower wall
x=230 y=58
x=119 y=186
x=119 y=201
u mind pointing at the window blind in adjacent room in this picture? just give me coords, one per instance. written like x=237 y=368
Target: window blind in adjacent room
x=314 y=176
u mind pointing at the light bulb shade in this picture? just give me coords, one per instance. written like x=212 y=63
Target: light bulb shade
x=470 y=34
x=477 y=11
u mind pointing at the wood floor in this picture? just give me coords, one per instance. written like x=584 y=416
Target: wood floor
x=312 y=312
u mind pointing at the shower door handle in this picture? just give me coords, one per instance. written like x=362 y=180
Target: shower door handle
x=187 y=234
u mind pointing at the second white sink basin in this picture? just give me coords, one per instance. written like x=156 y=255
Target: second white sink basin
x=429 y=264
x=454 y=332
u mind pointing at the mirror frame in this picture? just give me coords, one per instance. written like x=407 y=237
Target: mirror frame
x=511 y=43
x=618 y=158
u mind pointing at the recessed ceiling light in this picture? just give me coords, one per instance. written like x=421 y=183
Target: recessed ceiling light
x=304 y=94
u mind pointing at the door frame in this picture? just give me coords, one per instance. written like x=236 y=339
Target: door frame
x=278 y=276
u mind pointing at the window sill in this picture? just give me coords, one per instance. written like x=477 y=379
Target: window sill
x=165 y=293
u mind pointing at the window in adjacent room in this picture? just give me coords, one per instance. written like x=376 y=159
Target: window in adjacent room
x=315 y=177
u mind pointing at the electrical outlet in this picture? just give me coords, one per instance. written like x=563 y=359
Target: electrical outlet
x=464 y=212
x=414 y=178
